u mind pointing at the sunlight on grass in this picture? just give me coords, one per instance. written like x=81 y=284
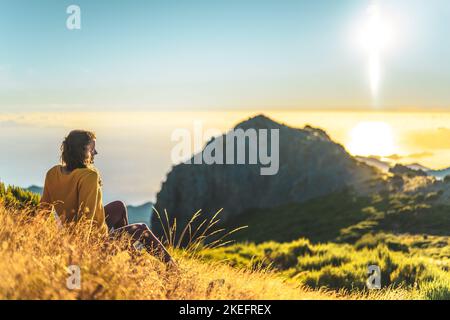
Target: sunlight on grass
x=35 y=254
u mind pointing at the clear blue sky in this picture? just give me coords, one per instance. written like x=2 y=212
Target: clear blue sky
x=169 y=55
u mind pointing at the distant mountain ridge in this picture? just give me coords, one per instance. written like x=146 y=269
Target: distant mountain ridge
x=35 y=189
x=385 y=166
x=141 y=213
x=311 y=165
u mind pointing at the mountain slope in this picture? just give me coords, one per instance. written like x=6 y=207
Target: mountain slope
x=346 y=217
x=320 y=219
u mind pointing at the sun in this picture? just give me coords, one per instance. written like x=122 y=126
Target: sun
x=371 y=138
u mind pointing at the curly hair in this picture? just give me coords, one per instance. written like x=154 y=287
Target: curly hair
x=73 y=149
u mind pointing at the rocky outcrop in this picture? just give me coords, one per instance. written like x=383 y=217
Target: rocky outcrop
x=310 y=165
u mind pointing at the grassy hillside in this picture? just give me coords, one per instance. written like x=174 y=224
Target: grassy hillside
x=330 y=242
x=420 y=274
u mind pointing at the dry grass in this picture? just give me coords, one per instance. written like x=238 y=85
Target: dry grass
x=389 y=293
x=35 y=254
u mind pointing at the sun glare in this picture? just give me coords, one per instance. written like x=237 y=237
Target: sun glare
x=375 y=37
x=371 y=138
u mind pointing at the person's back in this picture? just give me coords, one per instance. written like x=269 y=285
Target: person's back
x=74 y=194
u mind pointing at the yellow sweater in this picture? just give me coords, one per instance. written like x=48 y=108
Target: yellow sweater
x=75 y=195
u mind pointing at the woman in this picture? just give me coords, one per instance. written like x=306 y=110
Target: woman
x=73 y=189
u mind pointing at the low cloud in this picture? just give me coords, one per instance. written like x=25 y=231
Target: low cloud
x=434 y=139
x=420 y=155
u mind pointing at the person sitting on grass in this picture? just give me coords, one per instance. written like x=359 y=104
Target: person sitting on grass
x=73 y=190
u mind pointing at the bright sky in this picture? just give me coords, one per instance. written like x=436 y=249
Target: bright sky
x=172 y=54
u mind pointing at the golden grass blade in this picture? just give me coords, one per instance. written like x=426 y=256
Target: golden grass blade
x=188 y=226
x=162 y=224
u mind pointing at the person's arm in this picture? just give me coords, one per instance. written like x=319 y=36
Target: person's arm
x=88 y=203
x=45 y=203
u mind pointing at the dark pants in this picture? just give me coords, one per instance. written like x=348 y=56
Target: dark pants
x=117 y=218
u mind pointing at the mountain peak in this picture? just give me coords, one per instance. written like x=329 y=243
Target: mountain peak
x=260 y=121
